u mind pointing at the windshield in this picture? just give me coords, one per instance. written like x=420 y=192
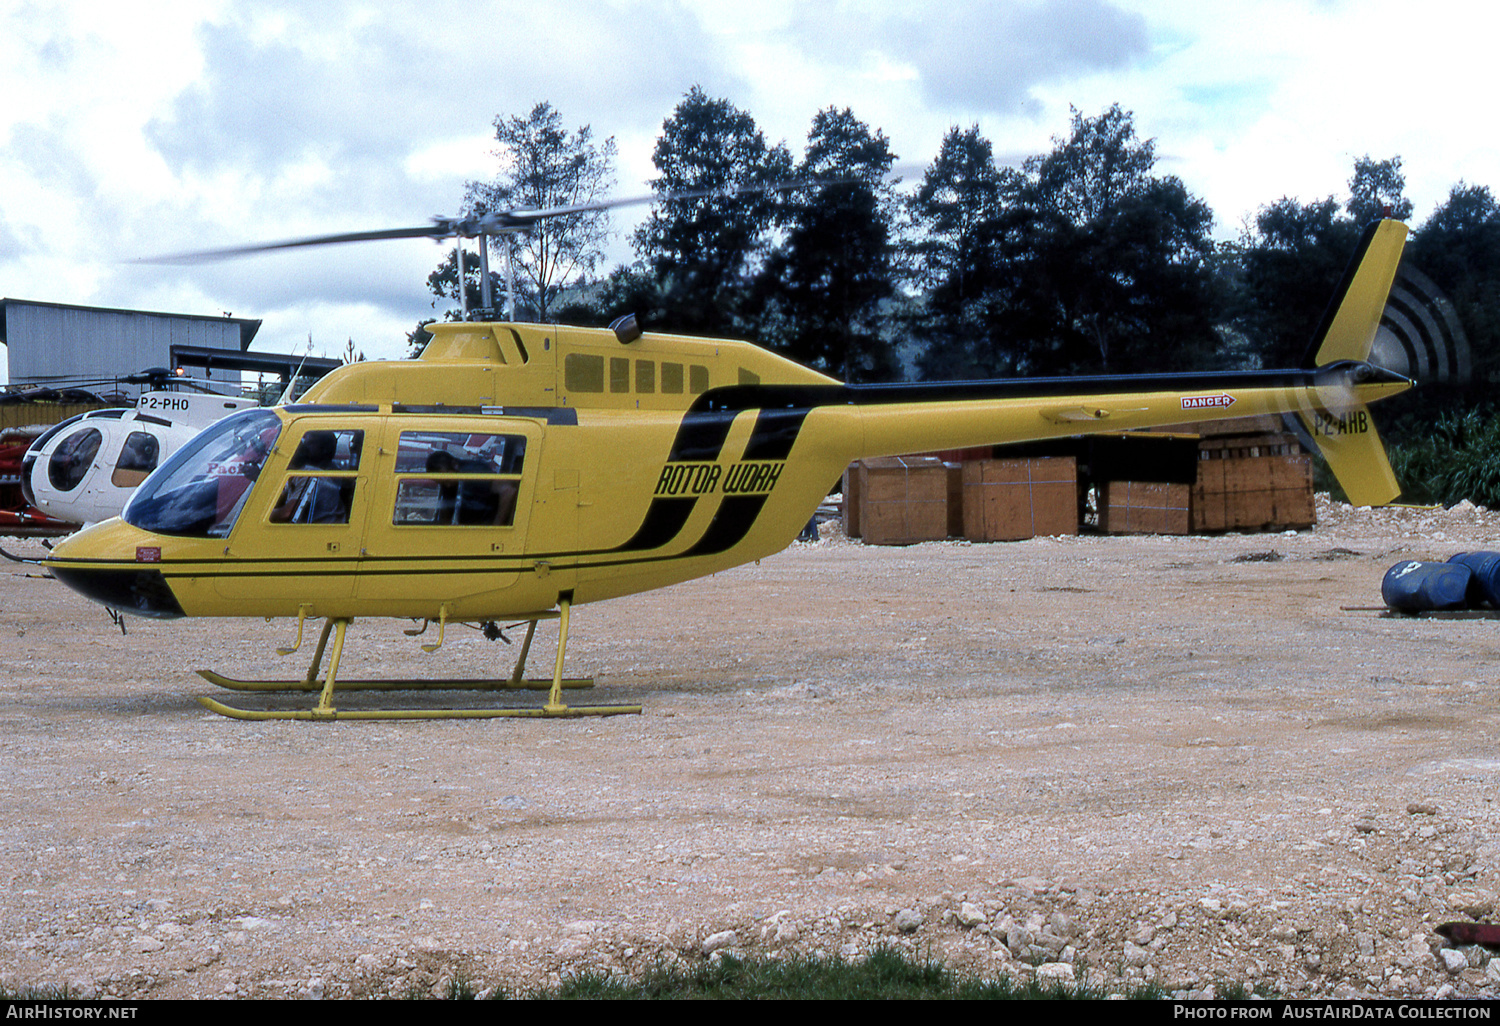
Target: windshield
x=201 y=489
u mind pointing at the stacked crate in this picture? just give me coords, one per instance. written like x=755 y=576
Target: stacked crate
x=1253 y=483
x=900 y=500
x=1015 y=499
x=1144 y=481
x=1144 y=507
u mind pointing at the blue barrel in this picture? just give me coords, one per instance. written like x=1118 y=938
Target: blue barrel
x=1484 y=589
x=1415 y=587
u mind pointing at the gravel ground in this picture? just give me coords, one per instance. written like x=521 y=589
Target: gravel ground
x=1181 y=760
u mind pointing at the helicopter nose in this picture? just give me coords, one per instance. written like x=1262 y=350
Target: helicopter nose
x=138 y=592
x=120 y=585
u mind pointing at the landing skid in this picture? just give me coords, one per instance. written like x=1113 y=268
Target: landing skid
x=325 y=710
x=567 y=712
x=529 y=684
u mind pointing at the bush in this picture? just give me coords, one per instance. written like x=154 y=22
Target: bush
x=1457 y=458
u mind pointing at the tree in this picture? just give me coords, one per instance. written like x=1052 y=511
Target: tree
x=1290 y=262
x=543 y=166
x=1458 y=247
x=1108 y=265
x=826 y=282
x=702 y=250
x=1085 y=260
x=1376 y=191
x=951 y=258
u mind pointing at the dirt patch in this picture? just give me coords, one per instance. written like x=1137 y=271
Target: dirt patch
x=1138 y=758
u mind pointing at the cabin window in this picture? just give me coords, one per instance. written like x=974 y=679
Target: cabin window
x=324 y=499
x=645 y=376
x=619 y=374
x=458 y=479
x=324 y=494
x=671 y=378
x=200 y=490
x=328 y=450
x=697 y=378
x=138 y=458
x=72 y=458
x=583 y=372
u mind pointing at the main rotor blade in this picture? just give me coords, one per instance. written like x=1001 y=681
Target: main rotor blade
x=494 y=222
x=497 y=222
x=439 y=229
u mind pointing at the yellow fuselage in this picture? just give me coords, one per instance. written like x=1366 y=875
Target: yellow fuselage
x=644 y=464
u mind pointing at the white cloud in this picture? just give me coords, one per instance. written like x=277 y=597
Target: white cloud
x=132 y=128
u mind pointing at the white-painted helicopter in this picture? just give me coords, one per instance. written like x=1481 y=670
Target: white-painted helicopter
x=84 y=469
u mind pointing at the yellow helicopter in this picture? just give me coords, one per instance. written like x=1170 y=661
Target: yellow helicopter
x=515 y=471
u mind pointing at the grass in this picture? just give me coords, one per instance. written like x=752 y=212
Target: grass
x=887 y=974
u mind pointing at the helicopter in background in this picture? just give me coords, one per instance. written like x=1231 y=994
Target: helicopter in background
x=85 y=469
x=517 y=470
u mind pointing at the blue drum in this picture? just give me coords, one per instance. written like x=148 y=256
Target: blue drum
x=1415 y=587
x=1484 y=588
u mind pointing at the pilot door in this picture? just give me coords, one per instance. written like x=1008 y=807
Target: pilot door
x=302 y=533
x=452 y=509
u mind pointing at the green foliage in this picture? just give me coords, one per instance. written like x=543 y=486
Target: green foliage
x=887 y=974
x=952 y=258
x=1377 y=190
x=1084 y=261
x=1291 y=262
x=1456 y=458
x=543 y=166
x=703 y=250
x=822 y=289
x=1458 y=247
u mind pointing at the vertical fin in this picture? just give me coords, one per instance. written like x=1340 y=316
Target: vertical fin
x=1348 y=328
x=1347 y=438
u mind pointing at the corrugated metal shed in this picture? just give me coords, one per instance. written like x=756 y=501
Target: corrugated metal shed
x=55 y=344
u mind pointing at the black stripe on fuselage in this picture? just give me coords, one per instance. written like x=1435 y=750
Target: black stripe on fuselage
x=664 y=521
x=735 y=516
x=787 y=400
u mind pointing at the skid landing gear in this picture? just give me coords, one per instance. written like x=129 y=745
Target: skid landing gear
x=325 y=710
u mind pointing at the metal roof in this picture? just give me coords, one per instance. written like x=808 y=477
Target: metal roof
x=248 y=326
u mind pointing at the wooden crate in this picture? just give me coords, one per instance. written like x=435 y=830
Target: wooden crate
x=955 y=498
x=902 y=500
x=1010 y=500
x=851 y=501
x=1144 y=507
x=1253 y=483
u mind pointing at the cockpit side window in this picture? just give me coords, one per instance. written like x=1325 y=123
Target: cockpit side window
x=138 y=457
x=324 y=492
x=201 y=489
x=457 y=479
x=72 y=458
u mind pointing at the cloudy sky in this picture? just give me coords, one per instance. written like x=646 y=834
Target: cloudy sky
x=131 y=129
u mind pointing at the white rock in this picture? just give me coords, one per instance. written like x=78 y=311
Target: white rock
x=1059 y=972
x=717 y=941
x=1454 y=961
x=970 y=915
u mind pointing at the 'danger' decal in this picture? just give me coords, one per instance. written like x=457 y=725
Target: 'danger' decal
x=1204 y=402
